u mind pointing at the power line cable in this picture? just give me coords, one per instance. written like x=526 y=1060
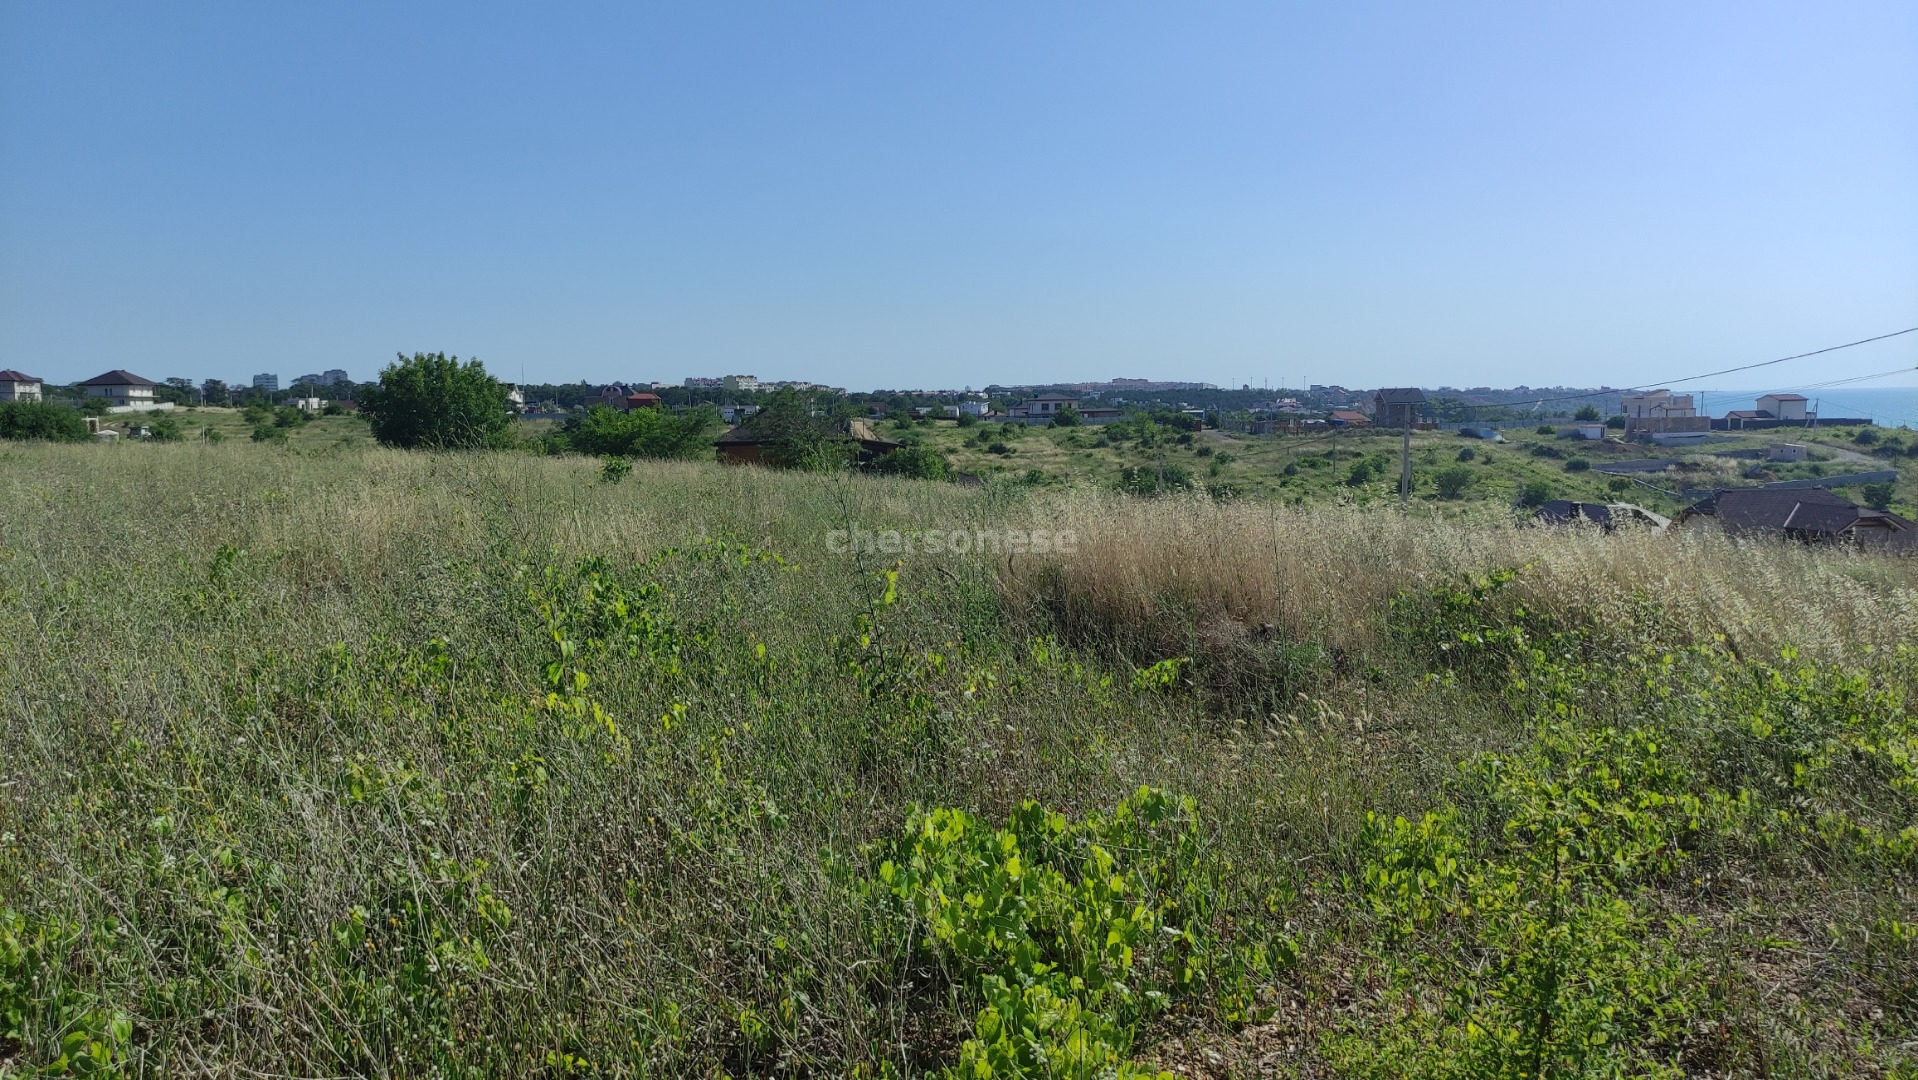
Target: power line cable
x=1713 y=374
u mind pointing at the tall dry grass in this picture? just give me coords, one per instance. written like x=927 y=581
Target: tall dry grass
x=1158 y=575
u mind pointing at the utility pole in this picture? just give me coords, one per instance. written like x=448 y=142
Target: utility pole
x=1405 y=462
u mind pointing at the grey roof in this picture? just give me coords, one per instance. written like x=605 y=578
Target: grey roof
x=1402 y=395
x=1804 y=512
x=119 y=377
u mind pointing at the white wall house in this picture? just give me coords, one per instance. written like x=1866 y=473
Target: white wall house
x=1041 y=409
x=122 y=389
x=1657 y=405
x=18 y=386
x=1784 y=406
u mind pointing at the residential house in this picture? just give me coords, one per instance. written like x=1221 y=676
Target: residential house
x=1350 y=418
x=1786 y=407
x=744 y=445
x=642 y=400
x=18 y=386
x=1398 y=406
x=1661 y=412
x=310 y=405
x=1041 y=409
x=1809 y=515
x=122 y=390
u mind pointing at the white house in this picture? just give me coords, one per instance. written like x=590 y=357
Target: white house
x=1657 y=405
x=121 y=389
x=1784 y=406
x=18 y=386
x=1041 y=409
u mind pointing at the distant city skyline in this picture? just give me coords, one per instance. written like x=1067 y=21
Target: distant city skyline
x=867 y=194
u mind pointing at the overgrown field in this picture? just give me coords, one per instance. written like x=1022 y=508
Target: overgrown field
x=361 y=762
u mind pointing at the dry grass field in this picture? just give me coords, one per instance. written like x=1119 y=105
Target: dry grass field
x=325 y=760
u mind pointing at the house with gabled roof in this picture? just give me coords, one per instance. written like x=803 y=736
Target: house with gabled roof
x=18 y=386
x=1810 y=515
x=122 y=389
x=1397 y=406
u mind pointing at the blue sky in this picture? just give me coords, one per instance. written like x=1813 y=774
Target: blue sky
x=938 y=194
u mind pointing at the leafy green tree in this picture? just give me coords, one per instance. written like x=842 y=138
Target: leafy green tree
x=1877 y=496
x=40 y=420
x=1535 y=493
x=166 y=429
x=645 y=433
x=431 y=401
x=1587 y=414
x=801 y=433
x=1067 y=417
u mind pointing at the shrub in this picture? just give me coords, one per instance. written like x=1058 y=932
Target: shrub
x=1291 y=468
x=39 y=420
x=1586 y=414
x=1453 y=481
x=268 y=433
x=1546 y=451
x=213 y=435
x=1865 y=436
x=1545 y=429
x=613 y=469
x=967 y=419
x=166 y=429
x=1877 y=496
x=919 y=462
x=1577 y=464
x=1535 y=493
x=998 y=448
x=1067 y=417
x=431 y=401
x=1154 y=479
x=639 y=433
x=1467 y=453
x=1070 y=934
x=287 y=416
x=1616 y=423
x=1618 y=484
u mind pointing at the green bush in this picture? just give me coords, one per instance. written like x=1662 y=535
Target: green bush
x=1155 y=479
x=1586 y=414
x=431 y=401
x=39 y=420
x=1535 y=493
x=1070 y=936
x=1877 y=496
x=1067 y=417
x=1578 y=464
x=1453 y=481
x=1467 y=453
x=1865 y=436
x=638 y=433
x=166 y=429
x=1545 y=429
x=915 y=461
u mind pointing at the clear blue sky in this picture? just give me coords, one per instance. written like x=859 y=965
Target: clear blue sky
x=940 y=194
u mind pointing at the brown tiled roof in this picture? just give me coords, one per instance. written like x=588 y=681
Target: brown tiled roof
x=10 y=375
x=119 y=377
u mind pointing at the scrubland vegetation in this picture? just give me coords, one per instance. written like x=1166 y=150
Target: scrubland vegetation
x=365 y=762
